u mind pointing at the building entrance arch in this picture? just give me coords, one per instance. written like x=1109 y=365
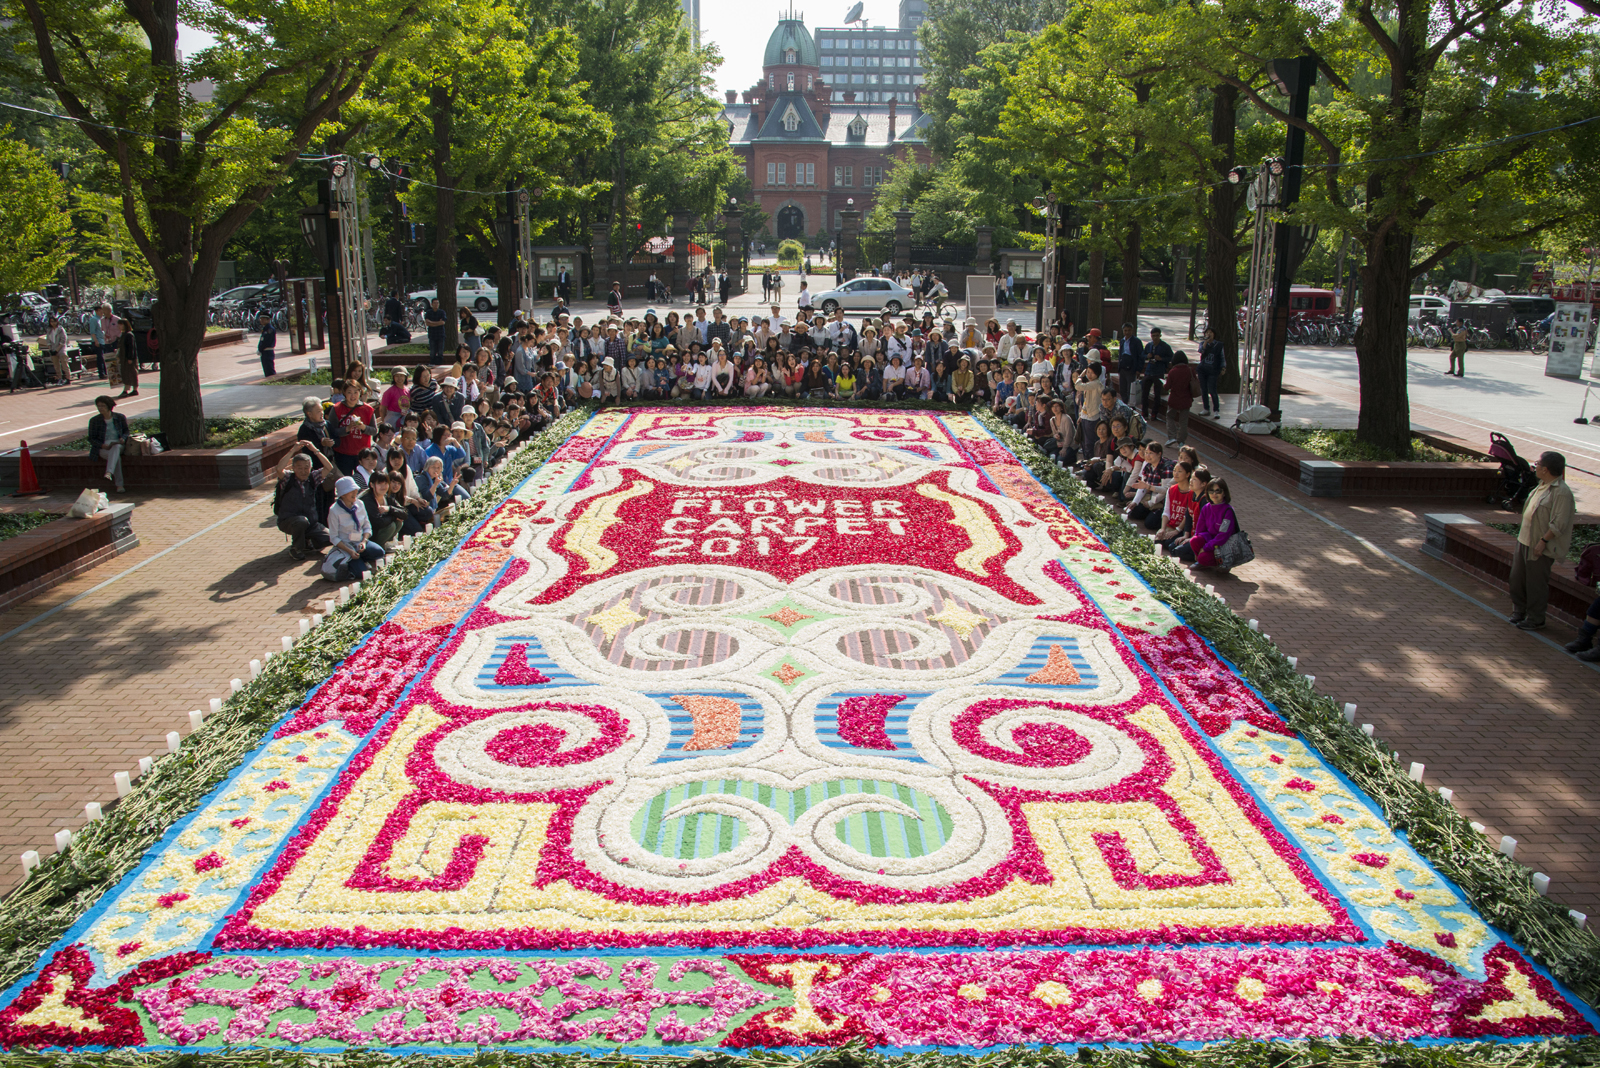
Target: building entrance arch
x=791 y=222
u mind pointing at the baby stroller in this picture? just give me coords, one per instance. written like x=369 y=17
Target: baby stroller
x=1516 y=475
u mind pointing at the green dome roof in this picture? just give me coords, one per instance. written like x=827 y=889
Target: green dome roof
x=791 y=33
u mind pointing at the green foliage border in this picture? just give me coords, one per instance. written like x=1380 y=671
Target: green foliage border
x=66 y=886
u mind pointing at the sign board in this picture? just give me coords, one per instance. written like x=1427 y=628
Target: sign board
x=980 y=297
x=1569 y=340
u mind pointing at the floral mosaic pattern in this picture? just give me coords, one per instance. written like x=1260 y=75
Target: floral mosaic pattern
x=717 y=693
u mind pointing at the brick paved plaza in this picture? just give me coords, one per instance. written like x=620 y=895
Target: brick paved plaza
x=98 y=670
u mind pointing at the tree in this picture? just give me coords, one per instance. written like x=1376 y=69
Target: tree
x=669 y=149
x=494 y=101
x=33 y=216
x=188 y=174
x=1438 y=129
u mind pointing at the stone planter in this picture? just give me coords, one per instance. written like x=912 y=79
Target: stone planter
x=47 y=556
x=1467 y=480
x=1484 y=552
x=241 y=467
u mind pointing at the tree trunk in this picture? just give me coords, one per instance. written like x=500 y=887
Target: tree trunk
x=1222 y=252
x=1097 y=281
x=442 y=103
x=505 y=270
x=1385 y=418
x=180 y=324
x=1130 y=274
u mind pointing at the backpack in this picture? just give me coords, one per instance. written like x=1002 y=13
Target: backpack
x=1589 y=566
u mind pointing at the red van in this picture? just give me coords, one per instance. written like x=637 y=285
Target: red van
x=1309 y=303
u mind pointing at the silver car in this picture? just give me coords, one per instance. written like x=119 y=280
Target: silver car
x=865 y=294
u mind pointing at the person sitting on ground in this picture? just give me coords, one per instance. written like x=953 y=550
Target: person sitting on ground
x=1145 y=488
x=1215 y=524
x=386 y=517
x=367 y=461
x=1061 y=445
x=1174 y=515
x=396 y=400
x=447 y=406
x=756 y=383
x=436 y=491
x=350 y=532
x=108 y=435
x=298 y=504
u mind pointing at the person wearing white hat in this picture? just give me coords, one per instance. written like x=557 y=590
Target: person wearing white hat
x=447 y=407
x=354 y=551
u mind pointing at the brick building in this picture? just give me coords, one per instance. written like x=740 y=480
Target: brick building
x=811 y=140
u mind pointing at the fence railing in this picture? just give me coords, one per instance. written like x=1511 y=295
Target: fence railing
x=943 y=255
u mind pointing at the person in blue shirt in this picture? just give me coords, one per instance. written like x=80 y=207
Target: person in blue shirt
x=455 y=458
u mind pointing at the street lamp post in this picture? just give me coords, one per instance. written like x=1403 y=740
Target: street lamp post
x=1046 y=312
x=1294 y=79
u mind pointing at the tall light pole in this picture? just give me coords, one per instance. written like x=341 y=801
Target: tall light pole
x=1045 y=314
x=1294 y=79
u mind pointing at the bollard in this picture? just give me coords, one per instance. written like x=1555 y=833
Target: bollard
x=145 y=764
x=216 y=705
x=197 y=720
x=1579 y=918
x=327 y=608
x=288 y=643
x=92 y=812
x=255 y=669
x=63 y=840
x=1541 y=883
x=174 y=740
x=235 y=685
x=305 y=627
x=1415 y=772
x=1255 y=625
x=1311 y=680
x=344 y=595
x=1508 y=845
x=1478 y=827
x=1448 y=794
x=30 y=861
x=1350 y=713
x=1367 y=729
x=124 y=783
x=1294 y=662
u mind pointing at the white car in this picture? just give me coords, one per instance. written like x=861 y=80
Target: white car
x=865 y=294
x=1428 y=306
x=480 y=294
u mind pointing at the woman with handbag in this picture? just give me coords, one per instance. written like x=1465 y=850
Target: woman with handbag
x=1214 y=526
x=108 y=436
x=127 y=360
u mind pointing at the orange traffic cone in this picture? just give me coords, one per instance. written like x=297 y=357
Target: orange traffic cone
x=27 y=478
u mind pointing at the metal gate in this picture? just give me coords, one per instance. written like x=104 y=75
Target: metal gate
x=945 y=256
x=875 y=250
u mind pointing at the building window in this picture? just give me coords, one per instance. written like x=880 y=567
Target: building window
x=808 y=83
x=772 y=174
x=783 y=174
x=871 y=176
x=827 y=61
x=858 y=128
x=873 y=44
x=857 y=61
x=788 y=56
x=858 y=79
x=844 y=177
x=771 y=81
x=857 y=43
x=791 y=81
x=791 y=118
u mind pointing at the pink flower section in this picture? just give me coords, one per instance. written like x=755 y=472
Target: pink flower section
x=369 y=681
x=362 y=1007
x=1146 y=995
x=209 y=862
x=1204 y=685
x=861 y=719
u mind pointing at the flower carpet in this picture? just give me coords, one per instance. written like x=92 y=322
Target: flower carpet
x=781 y=728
